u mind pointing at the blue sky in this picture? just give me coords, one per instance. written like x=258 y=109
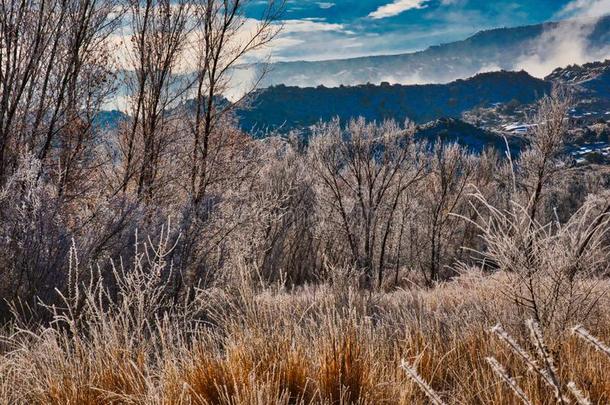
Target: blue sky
x=329 y=29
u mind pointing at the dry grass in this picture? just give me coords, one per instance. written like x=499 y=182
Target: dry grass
x=248 y=343
x=315 y=345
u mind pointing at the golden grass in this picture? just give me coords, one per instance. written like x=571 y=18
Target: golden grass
x=310 y=346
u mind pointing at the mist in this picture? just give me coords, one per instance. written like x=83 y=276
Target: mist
x=565 y=44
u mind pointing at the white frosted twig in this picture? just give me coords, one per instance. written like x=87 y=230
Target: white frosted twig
x=511 y=382
x=423 y=385
x=549 y=372
x=597 y=344
x=512 y=344
x=581 y=398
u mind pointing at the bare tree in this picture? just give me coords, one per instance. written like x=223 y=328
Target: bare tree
x=55 y=71
x=540 y=163
x=284 y=210
x=548 y=267
x=363 y=172
x=159 y=33
x=451 y=169
x=223 y=38
x=53 y=79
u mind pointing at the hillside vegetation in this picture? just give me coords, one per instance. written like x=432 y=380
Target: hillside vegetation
x=173 y=258
x=310 y=274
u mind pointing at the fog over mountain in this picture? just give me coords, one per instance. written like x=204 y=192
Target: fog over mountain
x=538 y=49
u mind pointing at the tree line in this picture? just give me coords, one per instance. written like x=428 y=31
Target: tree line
x=362 y=197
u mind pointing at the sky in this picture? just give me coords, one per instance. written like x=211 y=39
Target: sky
x=335 y=29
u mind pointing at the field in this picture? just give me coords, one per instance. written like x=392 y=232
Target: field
x=324 y=344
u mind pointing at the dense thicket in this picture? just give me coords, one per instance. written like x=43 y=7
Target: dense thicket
x=361 y=196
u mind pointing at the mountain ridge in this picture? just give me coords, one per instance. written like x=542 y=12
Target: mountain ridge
x=288 y=107
x=487 y=50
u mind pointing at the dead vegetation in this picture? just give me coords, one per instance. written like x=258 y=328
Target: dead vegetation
x=316 y=344
x=173 y=259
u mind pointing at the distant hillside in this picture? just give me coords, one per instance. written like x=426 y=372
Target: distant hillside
x=495 y=49
x=594 y=77
x=110 y=120
x=287 y=108
x=504 y=98
x=592 y=82
x=452 y=130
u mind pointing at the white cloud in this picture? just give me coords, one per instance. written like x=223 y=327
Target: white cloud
x=586 y=8
x=308 y=25
x=325 y=5
x=397 y=7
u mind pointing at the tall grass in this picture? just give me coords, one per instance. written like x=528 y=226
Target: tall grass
x=246 y=343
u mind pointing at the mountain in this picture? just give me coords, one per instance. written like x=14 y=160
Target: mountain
x=285 y=108
x=502 y=48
